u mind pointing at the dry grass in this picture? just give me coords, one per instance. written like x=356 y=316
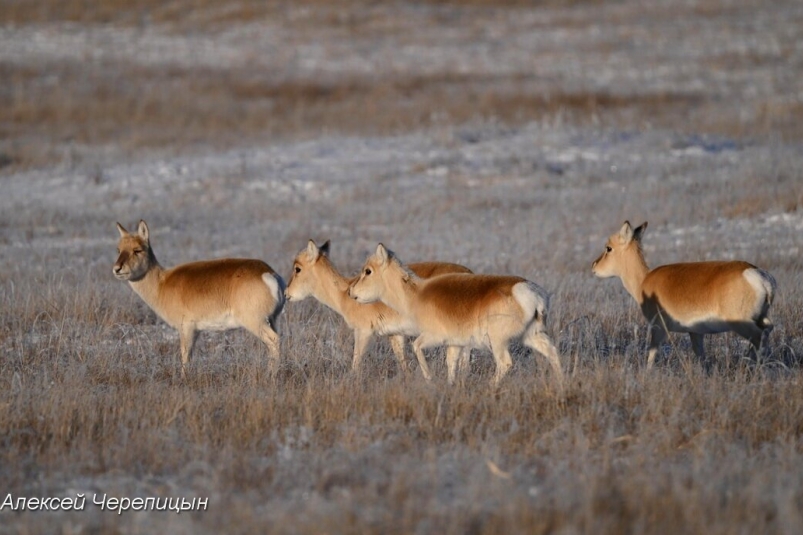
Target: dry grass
x=91 y=400
x=671 y=451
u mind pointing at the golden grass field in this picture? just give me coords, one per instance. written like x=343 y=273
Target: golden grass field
x=510 y=137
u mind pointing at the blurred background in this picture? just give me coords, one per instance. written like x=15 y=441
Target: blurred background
x=101 y=80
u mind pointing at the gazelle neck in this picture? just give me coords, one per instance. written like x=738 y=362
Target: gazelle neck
x=401 y=289
x=149 y=286
x=332 y=287
x=634 y=271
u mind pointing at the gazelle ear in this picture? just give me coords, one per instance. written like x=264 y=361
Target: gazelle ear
x=142 y=230
x=626 y=232
x=312 y=251
x=639 y=232
x=324 y=249
x=121 y=229
x=382 y=254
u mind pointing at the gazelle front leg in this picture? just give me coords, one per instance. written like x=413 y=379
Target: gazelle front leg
x=187 y=335
x=361 y=339
x=697 y=345
x=397 y=344
x=419 y=345
x=453 y=361
x=464 y=361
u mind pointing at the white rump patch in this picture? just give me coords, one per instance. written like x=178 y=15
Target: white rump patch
x=275 y=285
x=763 y=283
x=531 y=298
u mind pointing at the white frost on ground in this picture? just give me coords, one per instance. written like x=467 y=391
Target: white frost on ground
x=471 y=181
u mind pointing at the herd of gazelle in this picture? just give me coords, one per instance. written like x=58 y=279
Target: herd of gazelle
x=441 y=304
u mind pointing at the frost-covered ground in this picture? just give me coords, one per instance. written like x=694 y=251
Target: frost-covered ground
x=471 y=192
x=701 y=141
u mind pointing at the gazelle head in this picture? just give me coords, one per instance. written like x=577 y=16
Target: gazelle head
x=135 y=255
x=618 y=249
x=303 y=279
x=372 y=285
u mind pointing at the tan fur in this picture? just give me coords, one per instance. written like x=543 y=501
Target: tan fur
x=460 y=310
x=208 y=295
x=697 y=298
x=314 y=275
x=427 y=270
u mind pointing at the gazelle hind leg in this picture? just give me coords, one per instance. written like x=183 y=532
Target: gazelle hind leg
x=271 y=339
x=698 y=347
x=538 y=340
x=262 y=330
x=766 y=330
x=754 y=334
x=657 y=336
x=502 y=359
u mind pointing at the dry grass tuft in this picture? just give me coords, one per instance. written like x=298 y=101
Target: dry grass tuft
x=90 y=391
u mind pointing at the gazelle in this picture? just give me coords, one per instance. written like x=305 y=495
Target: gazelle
x=212 y=295
x=460 y=311
x=698 y=298
x=314 y=275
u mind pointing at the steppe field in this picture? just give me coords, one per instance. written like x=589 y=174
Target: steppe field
x=509 y=136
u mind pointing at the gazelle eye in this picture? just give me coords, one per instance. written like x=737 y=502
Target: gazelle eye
x=608 y=248
x=137 y=251
x=367 y=271
x=297 y=269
